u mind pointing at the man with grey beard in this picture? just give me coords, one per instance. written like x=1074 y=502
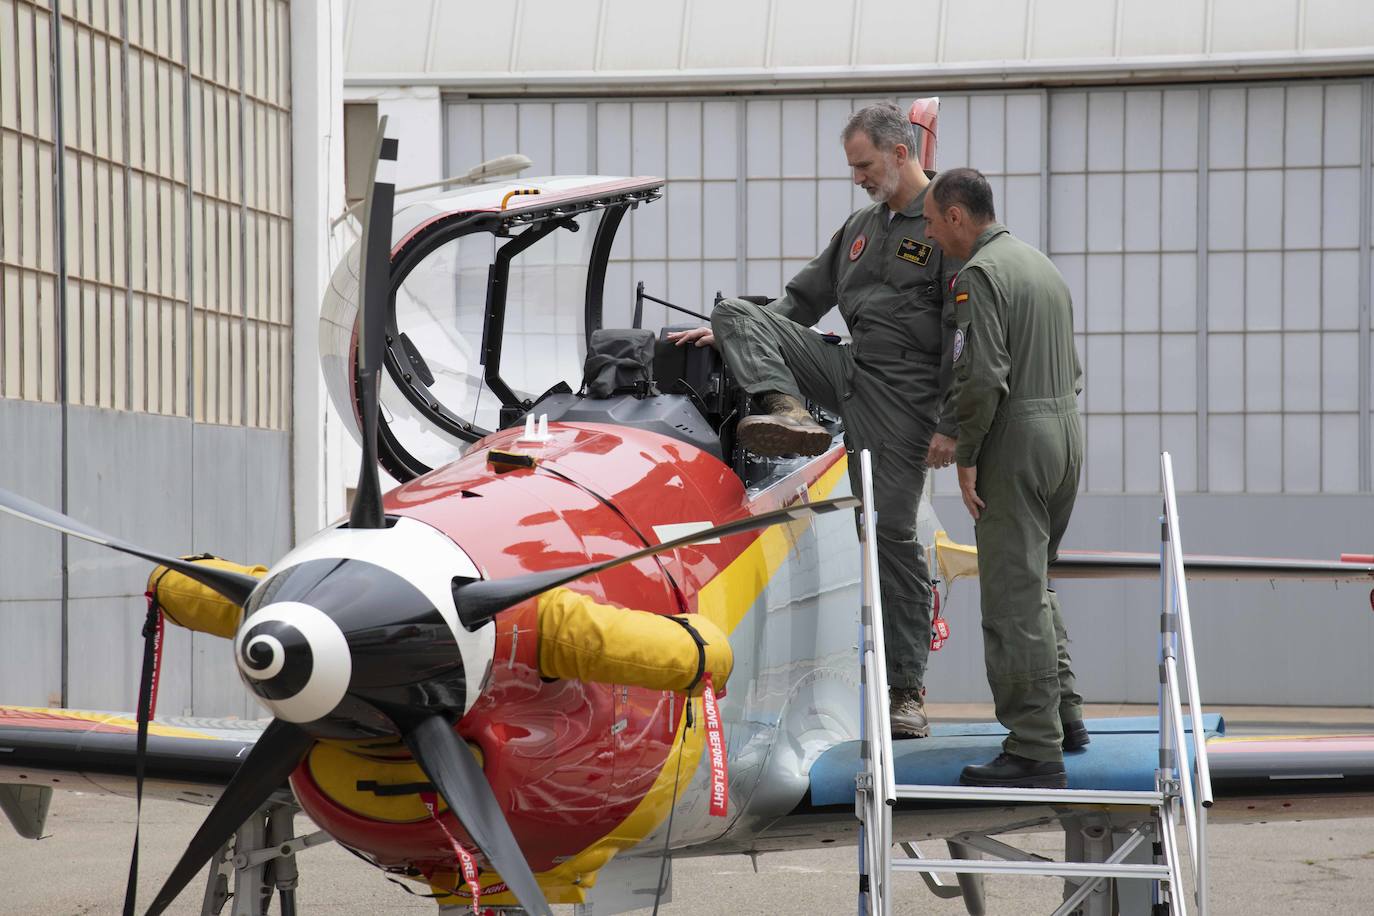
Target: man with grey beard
x=889 y=385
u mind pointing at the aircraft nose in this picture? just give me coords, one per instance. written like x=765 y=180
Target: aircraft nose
x=295 y=658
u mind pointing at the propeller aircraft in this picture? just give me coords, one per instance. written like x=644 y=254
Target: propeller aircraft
x=586 y=627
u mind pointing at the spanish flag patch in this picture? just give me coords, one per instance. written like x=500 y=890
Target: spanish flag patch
x=961 y=297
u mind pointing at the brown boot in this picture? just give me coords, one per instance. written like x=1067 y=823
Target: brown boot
x=785 y=429
x=907 y=713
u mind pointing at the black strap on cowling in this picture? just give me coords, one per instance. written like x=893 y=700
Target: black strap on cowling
x=145 y=691
x=145 y=701
x=701 y=651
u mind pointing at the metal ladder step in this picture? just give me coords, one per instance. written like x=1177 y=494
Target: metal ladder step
x=1045 y=796
x=1046 y=868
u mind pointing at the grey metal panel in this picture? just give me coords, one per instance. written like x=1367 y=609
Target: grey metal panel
x=799 y=220
x=1226 y=292
x=1226 y=452
x=1263 y=291
x=1142 y=450
x=1340 y=455
x=30 y=557
x=1340 y=220
x=1140 y=302
x=267 y=459
x=1262 y=389
x=31 y=652
x=1289 y=643
x=570 y=132
x=683 y=207
x=130 y=475
x=216 y=687
x=106 y=648
x=1178 y=385
x=1341 y=125
x=1340 y=290
x=1340 y=371
x=1263 y=443
x=220 y=492
x=1300 y=473
x=1140 y=373
x=1104 y=292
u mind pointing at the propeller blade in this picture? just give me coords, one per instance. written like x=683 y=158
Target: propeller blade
x=374 y=283
x=480 y=600
x=263 y=772
x=454 y=772
x=234 y=586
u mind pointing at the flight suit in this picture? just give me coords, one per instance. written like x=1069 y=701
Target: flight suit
x=889 y=385
x=1016 y=377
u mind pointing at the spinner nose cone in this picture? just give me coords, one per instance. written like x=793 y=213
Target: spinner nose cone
x=295 y=658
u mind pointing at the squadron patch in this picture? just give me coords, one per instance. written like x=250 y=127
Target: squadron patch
x=858 y=247
x=958 y=345
x=914 y=251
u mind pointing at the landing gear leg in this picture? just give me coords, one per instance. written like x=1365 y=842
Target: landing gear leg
x=262 y=859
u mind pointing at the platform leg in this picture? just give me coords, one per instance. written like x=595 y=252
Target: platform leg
x=975 y=901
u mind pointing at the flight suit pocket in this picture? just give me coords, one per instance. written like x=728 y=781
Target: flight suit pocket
x=922 y=313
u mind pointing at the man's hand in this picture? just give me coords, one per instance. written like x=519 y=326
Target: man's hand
x=941 y=452
x=703 y=337
x=968 y=489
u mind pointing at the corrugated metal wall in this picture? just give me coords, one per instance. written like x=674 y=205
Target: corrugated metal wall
x=1217 y=241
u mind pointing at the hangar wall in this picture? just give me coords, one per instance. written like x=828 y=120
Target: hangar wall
x=145 y=252
x=1217 y=242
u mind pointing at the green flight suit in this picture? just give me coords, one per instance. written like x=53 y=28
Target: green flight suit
x=889 y=385
x=1016 y=376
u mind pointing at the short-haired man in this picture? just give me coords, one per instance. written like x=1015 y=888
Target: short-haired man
x=889 y=385
x=1020 y=451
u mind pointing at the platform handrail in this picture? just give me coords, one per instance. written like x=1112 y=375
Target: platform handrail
x=877 y=791
x=1176 y=638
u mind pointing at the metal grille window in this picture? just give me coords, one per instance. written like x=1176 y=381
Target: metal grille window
x=176 y=178
x=240 y=167
x=1216 y=240
x=28 y=247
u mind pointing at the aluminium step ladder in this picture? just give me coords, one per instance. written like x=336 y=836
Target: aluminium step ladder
x=1105 y=836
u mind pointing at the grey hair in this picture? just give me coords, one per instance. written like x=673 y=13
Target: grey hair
x=885 y=125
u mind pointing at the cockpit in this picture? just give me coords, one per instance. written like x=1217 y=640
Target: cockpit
x=498 y=312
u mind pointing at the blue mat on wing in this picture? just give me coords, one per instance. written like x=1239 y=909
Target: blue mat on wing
x=1122 y=756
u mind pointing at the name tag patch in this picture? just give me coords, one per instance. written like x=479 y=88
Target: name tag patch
x=914 y=251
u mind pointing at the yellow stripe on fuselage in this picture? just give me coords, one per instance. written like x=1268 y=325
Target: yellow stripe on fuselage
x=726 y=601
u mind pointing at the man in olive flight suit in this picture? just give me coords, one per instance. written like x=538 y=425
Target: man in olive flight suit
x=1020 y=451
x=889 y=385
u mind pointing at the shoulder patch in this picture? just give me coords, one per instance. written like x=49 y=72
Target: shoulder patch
x=958 y=349
x=961 y=297
x=914 y=251
x=858 y=247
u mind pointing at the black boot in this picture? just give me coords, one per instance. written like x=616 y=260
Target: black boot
x=1076 y=735
x=1020 y=772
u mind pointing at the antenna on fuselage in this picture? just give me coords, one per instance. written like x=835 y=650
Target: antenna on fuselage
x=374 y=286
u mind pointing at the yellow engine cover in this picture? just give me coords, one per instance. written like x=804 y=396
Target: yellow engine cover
x=583 y=640
x=198 y=607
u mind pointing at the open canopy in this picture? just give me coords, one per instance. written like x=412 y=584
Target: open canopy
x=494 y=291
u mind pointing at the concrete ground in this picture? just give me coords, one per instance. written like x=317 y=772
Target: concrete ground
x=1264 y=869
